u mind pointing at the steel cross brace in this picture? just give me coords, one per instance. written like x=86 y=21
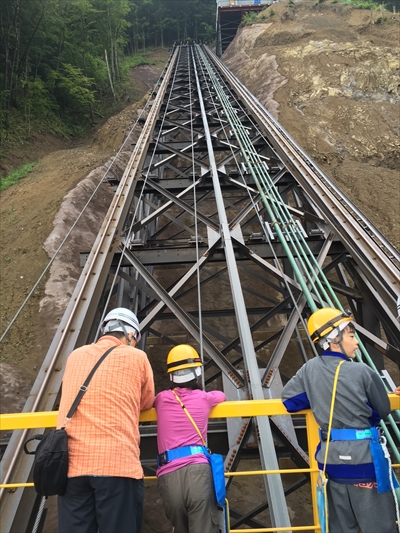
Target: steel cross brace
x=229 y=370
x=273 y=483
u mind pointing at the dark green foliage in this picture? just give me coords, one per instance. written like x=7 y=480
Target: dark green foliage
x=248 y=18
x=62 y=61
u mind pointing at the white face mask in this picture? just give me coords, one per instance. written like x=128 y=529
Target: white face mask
x=185 y=375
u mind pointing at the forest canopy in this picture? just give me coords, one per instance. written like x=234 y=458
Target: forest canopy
x=61 y=60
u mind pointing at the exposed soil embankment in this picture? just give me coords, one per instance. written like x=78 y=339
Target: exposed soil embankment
x=35 y=216
x=330 y=75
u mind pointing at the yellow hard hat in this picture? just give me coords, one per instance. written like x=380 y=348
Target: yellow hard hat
x=181 y=357
x=324 y=321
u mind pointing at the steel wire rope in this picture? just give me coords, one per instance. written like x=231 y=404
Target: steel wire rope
x=326 y=281
x=362 y=348
x=190 y=57
x=298 y=148
x=234 y=121
x=254 y=162
x=129 y=232
x=256 y=210
x=101 y=181
x=321 y=175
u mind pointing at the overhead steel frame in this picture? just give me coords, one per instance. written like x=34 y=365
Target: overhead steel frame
x=228 y=22
x=186 y=208
x=196 y=171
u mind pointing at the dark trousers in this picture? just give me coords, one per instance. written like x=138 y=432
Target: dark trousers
x=101 y=504
x=352 y=509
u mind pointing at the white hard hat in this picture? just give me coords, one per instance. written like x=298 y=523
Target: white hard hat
x=121 y=319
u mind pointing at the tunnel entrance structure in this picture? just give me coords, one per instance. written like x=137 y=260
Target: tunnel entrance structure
x=229 y=16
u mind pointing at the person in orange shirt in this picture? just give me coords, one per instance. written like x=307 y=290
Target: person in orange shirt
x=105 y=489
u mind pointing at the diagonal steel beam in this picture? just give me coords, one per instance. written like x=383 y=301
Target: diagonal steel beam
x=183 y=205
x=230 y=371
x=141 y=223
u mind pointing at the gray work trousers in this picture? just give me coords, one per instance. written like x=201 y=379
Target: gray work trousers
x=189 y=500
x=352 y=509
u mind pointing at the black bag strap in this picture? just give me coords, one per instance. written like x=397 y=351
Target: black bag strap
x=84 y=387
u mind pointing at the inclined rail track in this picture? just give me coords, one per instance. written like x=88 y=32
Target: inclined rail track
x=359 y=234
x=376 y=258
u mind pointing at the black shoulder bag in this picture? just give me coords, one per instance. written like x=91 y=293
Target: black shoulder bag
x=50 y=466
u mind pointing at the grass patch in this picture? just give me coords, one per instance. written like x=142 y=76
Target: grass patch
x=249 y=17
x=16 y=175
x=362 y=4
x=134 y=61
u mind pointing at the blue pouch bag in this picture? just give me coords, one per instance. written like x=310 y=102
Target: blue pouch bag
x=322 y=501
x=217 y=468
x=383 y=469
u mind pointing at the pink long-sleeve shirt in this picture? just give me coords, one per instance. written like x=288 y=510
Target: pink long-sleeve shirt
x=174 y=429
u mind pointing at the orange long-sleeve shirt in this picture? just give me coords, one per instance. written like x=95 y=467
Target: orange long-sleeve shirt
x=103 y=433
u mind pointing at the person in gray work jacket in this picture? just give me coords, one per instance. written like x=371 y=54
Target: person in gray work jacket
x=354 y=502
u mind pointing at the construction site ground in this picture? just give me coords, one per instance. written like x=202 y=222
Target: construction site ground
x=327 y=73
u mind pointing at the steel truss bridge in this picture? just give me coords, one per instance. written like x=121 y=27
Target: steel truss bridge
x=221 y=228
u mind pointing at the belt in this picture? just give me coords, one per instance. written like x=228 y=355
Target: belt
x=346 y=434
x=178 y=453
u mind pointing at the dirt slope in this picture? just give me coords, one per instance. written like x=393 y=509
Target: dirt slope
x=330 y=76
x=35 y=216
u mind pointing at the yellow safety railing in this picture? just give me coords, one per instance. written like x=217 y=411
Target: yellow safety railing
x=244 y=409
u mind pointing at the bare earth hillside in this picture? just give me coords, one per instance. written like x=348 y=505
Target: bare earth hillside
x=330 y=76
x=36 y=214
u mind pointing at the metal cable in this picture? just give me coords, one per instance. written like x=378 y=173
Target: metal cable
x=277 y=208
x=79 y=216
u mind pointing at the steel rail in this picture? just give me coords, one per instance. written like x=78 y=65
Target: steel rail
x=326 y=195
x=273 y=485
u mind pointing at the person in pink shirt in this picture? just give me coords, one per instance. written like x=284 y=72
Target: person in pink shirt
x=184 y=474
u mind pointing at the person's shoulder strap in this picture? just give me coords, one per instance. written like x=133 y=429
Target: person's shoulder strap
x=335 y=381
x=84 y=387
x=189 y=417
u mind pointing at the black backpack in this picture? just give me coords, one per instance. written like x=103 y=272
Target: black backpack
x=50 y=467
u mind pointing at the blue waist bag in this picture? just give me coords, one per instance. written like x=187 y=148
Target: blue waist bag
x=217 y=468
x=382 y=465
